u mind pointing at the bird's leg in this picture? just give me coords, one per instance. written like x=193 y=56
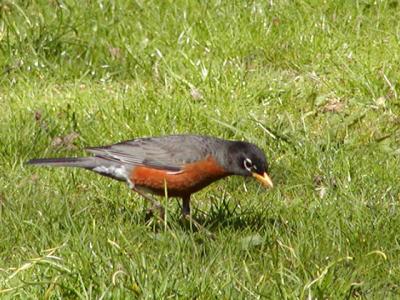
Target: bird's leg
x=185 y=206
x=186 y=216
x=155 y=205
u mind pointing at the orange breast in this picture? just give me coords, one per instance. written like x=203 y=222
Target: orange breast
x=192 y=178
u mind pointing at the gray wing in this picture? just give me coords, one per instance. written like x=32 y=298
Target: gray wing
x=168 y=153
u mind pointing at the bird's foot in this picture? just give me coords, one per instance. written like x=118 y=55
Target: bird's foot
x=189 y=220
x=155 y=206
x=152 y=211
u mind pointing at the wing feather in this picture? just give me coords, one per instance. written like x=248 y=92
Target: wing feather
x=167 y=153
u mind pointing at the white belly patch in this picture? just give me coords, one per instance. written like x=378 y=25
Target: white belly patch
x=117 y=172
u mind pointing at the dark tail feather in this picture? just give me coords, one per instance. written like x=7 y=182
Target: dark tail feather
x=80 y=162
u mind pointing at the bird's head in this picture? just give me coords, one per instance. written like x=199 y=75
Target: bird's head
x=247 y=159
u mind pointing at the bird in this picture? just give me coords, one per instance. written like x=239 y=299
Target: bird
x=176 y=165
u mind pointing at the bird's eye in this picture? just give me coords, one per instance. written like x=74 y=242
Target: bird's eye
x=248 y=164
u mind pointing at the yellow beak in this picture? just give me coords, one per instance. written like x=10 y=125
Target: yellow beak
x=264 y=179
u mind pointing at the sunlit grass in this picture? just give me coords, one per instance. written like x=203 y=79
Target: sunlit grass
x=312 y=83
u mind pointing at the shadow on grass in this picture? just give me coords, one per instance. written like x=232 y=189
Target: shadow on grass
x=254 y=221
x=222 y=216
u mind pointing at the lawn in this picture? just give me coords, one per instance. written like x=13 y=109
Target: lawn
x=312 y=83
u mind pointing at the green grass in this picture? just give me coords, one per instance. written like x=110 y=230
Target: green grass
x=313 y=83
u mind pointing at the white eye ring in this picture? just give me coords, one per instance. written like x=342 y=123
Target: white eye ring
x=248 y=164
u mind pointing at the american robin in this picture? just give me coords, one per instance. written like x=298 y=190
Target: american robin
x=178 y=165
